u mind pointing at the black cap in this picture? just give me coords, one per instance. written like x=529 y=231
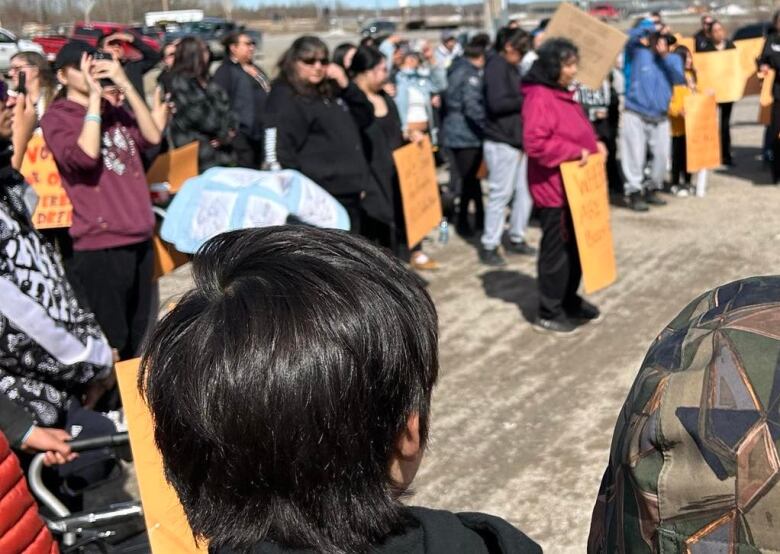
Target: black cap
x=70 y=54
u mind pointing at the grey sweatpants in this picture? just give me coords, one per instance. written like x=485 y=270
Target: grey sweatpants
x=638 y=137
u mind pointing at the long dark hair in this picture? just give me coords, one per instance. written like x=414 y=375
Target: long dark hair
x=340 y=53
x=48 y=81
x=365 y=59
x=553 y=54
x=300 y=48
x=684 y=52
x=188 y=61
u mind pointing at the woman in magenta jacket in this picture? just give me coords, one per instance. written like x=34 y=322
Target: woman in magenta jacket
x=555 y=130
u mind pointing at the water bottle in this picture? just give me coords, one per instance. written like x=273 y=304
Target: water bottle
x=444 y=231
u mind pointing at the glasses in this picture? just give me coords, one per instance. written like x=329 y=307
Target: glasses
x=249 y=43
x=313 y=61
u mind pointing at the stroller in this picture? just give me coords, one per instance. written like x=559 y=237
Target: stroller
x=116 y=529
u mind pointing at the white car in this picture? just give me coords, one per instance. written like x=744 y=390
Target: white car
x=10 y=45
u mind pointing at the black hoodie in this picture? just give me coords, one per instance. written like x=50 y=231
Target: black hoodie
x=503 y=102
x=439 y=532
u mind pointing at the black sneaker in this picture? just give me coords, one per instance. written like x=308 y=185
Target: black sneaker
x=521 y=247
x=652 y=198
x=585 y=313
x=491 y=257
x=561 y=326
x=637 y=203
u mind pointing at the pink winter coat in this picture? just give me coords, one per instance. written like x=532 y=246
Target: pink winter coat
x=555 y=130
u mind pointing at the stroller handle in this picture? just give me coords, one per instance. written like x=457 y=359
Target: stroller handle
x=93 y=443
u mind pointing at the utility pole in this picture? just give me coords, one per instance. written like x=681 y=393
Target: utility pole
x=165 y=6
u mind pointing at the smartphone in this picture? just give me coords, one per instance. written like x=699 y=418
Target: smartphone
x=100 y=55
x=21 y=88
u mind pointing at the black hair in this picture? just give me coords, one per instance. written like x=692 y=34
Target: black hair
x=340 y=53
x=280 y=384
x=473 y=51
x=368 y=41
x=365 y=59
x=519 y=39
x=553 y=54
x=711 y=25
x=482 y=40
x=300 y=48
x=231 y=39
x=188 y=60
x=683 y=51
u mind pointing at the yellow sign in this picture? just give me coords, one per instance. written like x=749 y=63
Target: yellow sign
x=54 y=209
x=586 y=191
x=419 y=189
x=599 y=44
x=702 y=138
x=720 y=72
x=166 y=524
x=749 y=50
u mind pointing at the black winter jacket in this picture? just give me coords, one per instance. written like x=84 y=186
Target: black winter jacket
x=136 y=70
x=247 y=96
x=503 y=102
x=464 y=119
x=437 y=532
x=771 y=57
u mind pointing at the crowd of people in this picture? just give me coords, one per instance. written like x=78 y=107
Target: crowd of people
x=507 y=110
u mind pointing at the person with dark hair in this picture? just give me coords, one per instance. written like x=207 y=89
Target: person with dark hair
x=677 y=124
x=646 y=115
x=463 y=132
x=135 y=70
x=343 y=54
x=316 y=414
x=770 y=59
x=718 y=41
x=415 y=94
x=555 y=130
x=702 y=36
x=200 y=108
x=448 y=50
x=503 y=149
x=314 y=117
x=97 y=147
x=247 y=87
x=538 y=36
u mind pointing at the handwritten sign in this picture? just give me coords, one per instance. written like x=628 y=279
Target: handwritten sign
x=166 y=523
x=599 y=44
x=765 y=100
x=419 y=190
x=175 y=167
x=702 y=138
x=720 y=72
x=54 y=209
x=586 y=191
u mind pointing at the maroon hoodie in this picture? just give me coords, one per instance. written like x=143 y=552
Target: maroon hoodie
x=555 y=130
x=110 y=196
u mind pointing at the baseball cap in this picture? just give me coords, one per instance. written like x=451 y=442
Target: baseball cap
x=70 y=54
x=447 y=34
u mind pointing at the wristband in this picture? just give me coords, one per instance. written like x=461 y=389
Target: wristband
x=93 y=117
x=27 y=435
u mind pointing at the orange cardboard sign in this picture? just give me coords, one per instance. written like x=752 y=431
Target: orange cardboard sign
x=702 y=138
x=419 y=189
x=54 y=209
x=166 y=257
x=165 y=521
x=766 y=100
x=586 y=191
x=175 y=167
x=720 y=72
x=749 y=50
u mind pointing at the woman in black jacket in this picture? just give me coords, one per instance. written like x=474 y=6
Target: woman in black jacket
x=770 y=59
x=313 y=119
x=200 y=108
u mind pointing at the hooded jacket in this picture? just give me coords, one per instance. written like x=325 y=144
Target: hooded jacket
x=50 y=348
x=464 y=119
x=770 y=56
x=438 y=532
x=555 y=130
x=652 y=77
x=503 y=102
x=110 y=195
x=694 y=460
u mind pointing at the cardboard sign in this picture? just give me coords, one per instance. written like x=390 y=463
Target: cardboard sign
x=175 y=167
x=765 y=100
x=166 y=257
x=720 y=72
x=749 y=50
x=586 y=191
x=54 y=209
x=702 y=136
x=419 y=190
x=165 y=521
x=599 y=44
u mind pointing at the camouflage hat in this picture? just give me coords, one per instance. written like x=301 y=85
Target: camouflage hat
x=694 y=462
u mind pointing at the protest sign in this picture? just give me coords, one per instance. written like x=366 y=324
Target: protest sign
x=599 y=44
x=586 y=191
x=720 y=72
x=702 y=137
x=166 y=257
x=749 y=50
x=766 y=100
x=175 y=167
x=54 y=209
x=419 y=189
x=166 y=524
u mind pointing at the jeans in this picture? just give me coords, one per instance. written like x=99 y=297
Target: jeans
x=507 y=176
x=639 y=137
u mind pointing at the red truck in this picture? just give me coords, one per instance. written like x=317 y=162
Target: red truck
x=605 y=12
x=90 y=33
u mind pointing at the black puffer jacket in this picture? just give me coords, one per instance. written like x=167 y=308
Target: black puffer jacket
x=503 y=102
x=247 y=96
x=771 y=56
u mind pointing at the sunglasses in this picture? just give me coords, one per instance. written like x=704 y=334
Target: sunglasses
x=312 y=61
x=249 y=43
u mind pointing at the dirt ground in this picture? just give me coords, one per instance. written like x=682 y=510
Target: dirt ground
x=522 y=422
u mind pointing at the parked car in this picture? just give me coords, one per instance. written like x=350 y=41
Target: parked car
x=91 y=33
x=605 y=12
x=10 y=45
x=378 y=28
x=754 y=30
x=210 y=29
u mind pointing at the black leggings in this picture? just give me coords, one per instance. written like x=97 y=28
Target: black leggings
x=725 y=131
x=559 y=270
x=679 y=161
x=468 y=162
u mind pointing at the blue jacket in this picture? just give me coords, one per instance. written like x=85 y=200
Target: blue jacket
x=464 y=107
x=405 y=80
x=652 y=78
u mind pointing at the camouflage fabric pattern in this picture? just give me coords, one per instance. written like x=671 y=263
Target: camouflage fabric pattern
x=694 y=462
